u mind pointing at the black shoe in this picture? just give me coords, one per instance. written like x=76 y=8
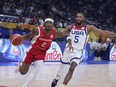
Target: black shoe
x=54 y=83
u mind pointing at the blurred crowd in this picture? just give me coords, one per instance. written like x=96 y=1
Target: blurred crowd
x=101 y=48
x=100 y=13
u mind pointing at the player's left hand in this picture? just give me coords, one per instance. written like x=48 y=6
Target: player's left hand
x=71 y=49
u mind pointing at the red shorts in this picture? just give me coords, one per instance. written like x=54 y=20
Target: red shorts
x=33 y=55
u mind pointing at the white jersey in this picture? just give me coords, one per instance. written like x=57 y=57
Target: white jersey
x=79 y=36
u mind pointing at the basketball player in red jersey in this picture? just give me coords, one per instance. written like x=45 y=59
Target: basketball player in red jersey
x=76 y=42
x=42 y=38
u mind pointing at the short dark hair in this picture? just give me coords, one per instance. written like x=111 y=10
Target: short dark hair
x=81 y=13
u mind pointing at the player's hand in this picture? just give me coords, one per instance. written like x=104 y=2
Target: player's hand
x=71 y=49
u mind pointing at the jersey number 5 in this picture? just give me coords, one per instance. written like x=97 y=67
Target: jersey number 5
x=76 y=39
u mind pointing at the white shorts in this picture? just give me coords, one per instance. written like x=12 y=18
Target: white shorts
x=75 y=56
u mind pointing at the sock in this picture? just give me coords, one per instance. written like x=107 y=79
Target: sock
x=57 y=77
x=63 y=85
x=60 y=71
x=31 y=77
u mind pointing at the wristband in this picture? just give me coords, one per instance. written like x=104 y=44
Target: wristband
x=68 y=38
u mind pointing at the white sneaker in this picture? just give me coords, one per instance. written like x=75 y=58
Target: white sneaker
x=63 y=85
x=23 y=86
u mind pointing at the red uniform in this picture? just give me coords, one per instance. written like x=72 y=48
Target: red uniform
x=40 y=44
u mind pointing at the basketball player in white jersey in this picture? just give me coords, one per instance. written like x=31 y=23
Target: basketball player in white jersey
x=74 y=49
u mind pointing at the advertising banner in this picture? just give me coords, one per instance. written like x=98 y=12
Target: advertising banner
x=8 y=52
x=113 y=53
x=14 y=25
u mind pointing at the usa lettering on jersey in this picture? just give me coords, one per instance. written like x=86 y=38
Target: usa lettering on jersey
x=78 y=36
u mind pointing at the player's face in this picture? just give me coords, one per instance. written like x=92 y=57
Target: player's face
x=48 y=25
x=79 y=18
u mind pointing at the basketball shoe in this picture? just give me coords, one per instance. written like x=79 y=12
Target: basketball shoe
x=54 y=83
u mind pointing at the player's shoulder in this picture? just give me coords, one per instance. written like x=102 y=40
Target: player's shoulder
x=53 y=29
x=69 y=26
x=35 y=31
x=40 y=27
x=90 y=26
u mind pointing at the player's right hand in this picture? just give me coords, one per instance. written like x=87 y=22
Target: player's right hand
x=71 y=49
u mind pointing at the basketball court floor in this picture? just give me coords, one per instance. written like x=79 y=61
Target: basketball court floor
x=92 y=74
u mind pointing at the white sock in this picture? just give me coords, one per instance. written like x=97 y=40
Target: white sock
x=60 y=71
x=63 y=85
x=31 y=77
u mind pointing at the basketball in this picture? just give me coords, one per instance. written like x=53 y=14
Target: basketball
x=16 y=39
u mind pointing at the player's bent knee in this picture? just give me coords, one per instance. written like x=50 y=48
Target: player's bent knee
x=23 y=72
x=73 y=66
x=24 y=68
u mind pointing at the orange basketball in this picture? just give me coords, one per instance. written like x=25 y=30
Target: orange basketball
x=16 y=39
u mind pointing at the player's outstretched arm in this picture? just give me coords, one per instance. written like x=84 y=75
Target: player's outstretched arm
x=95 y=29
x=102 y=32
x=31 y=34
x=63 y=33
x=110 y=34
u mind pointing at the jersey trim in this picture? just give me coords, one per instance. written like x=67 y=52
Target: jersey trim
x=64 y=62
x=39 y=31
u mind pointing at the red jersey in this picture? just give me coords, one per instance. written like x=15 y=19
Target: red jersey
x=43 y=41
x=40 y=44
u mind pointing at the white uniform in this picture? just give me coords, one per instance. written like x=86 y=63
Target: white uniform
x=79 y=39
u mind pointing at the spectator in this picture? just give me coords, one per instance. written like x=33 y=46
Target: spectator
x=97 y=51
x=106 y=51
x=91 y=43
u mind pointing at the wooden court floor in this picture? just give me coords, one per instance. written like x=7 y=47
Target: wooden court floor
x=95 y=75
